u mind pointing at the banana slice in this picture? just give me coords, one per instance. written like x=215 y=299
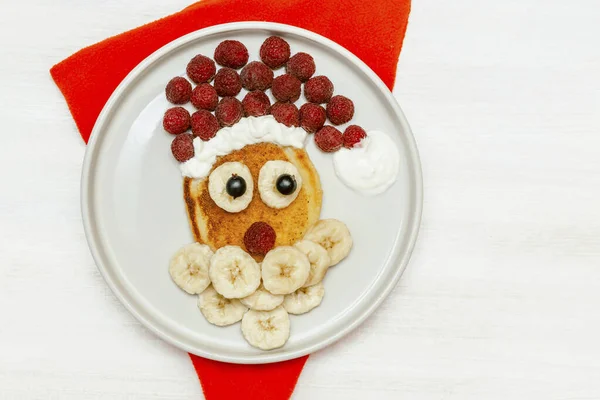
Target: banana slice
x=262 y=300
x=266 y=330
x=243 y=186
x=270 y=174
x=189 y=267
x=234 y=273
x=318 y=258
x=218 y=310
x=284 y=269
x=334 y=236
x=304 y=299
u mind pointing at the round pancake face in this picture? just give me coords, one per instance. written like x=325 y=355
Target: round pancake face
x=217 y=227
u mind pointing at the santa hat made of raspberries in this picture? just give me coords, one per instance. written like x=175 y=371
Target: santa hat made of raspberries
x=218 y=84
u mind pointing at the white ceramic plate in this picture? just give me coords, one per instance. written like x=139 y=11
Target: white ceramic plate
x=135 y=218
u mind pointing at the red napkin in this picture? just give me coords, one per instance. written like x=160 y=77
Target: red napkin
x=372 y=30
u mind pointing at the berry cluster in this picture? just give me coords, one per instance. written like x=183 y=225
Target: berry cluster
x=214 y=96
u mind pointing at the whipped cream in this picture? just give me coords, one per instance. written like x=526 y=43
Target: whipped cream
x=370 y=167
x=249 y=130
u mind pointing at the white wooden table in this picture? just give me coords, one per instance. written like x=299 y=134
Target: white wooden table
x=501 y=299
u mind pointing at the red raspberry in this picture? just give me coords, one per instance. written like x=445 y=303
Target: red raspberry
x=353 y=135
x=259 y=238
x=204 y=97
x=232 y=54
x=256 y=76
x=312 y=117
x=286 y=87
x=182 y=147
x=275 y=52
x=227 y=82
x=201 y=69
x=302 y=66
x=178 y=90
x=318 y=89
x=176 y=120
x=229 y=111
x=204 y=124
x=256 y=103
x=329 y=139
x=286 y=113
x=340 y=110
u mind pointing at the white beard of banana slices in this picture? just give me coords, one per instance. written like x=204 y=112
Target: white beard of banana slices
x=234 y=273
x=267 y=183
x=217 y=186
x=304 y=299
x=318 y=258
x=189 y=267
x=262 y=300
x=284 y=269
x=218 y=310
x=266 y=330
x=334 y=236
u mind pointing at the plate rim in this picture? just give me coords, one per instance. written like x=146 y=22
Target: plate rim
x=93 y=237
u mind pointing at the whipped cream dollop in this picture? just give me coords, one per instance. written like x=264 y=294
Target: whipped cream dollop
x=249 y=130
x=370 y=167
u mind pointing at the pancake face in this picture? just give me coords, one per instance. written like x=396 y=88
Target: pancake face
x=217 y=227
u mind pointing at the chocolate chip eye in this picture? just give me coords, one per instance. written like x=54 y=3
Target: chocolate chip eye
x=236 y=186
x=286 y=184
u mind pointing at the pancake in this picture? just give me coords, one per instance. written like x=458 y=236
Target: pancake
x=217 y=228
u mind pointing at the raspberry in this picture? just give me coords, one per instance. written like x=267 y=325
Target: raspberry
x=340 y=110
x=229 y=111
x=204 y=97
x=204 y=124
x=201 y=69
x=312 y=117
x=176 y=120
x=178 y=90
x=232 y=54
x=182 y=147
x=256 y=76
x=318 y=89
x=302 y=66
x=227 y=82
x=353 y=135
x=275 y=52
x=329 y=139
x=256 y=103
x=286 y=87
x=259 y=238
x=286 y=113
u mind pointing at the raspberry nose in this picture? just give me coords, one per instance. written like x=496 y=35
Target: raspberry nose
x=259 y=238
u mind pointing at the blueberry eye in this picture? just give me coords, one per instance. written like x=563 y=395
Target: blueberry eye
x=279 y=183
x=286 y=184
x=231 y=186
x=236 y=186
